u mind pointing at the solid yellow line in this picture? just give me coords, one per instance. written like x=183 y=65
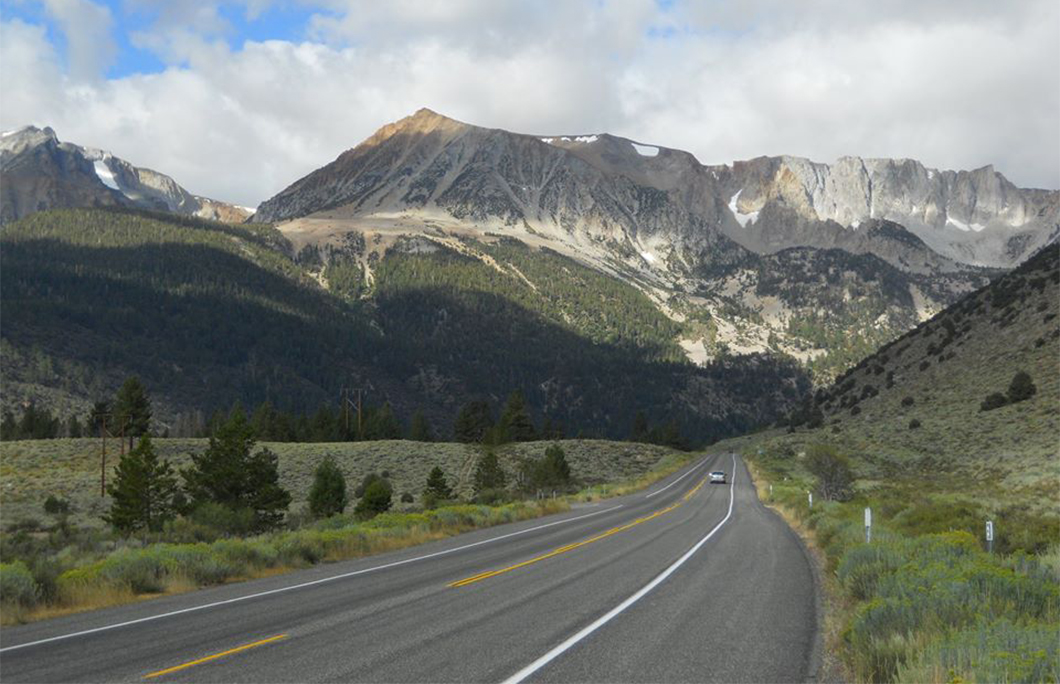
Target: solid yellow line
x=570 y=547
x=215 y=656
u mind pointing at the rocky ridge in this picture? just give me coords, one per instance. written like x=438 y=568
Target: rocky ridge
x=39 y=172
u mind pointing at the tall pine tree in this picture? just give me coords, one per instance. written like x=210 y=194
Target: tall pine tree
x=132 y=409
x=227 y=474
x=142 y=492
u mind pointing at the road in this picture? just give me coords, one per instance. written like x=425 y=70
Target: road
x=686 y=581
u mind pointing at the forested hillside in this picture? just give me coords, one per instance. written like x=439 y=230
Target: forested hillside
x=208 y=313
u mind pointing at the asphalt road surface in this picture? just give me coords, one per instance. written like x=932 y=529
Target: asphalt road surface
x=686 y=581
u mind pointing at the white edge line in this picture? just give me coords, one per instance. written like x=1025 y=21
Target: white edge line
x=604 y=619
x=694 y=469
x=302 y=585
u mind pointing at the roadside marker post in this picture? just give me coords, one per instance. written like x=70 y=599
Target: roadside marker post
x=989 y=536
x=810 y=494
x=868 y=525
x=770 y=492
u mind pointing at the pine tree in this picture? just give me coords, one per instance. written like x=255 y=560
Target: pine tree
x=515 y=422
x=327 y=496
x=143 y=490
x=420 y=429
x=554 y=467
x=640 y=432
x=9 y=427
x=227 y=474
x=488 y=473
x=383 y=424
x=437 y=488
x=73 y=428
x=132 y=409
x=473 y=422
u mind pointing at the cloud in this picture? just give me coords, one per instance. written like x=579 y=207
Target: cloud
x=954 y=88
x=87 y=29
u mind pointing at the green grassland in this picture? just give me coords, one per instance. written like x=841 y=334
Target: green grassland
x=30 y=471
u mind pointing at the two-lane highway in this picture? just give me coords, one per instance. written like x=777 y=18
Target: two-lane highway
x=687 y=581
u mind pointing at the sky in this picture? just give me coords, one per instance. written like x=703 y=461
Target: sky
x=236 y=100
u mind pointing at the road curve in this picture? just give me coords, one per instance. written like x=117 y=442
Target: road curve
x=684 y=582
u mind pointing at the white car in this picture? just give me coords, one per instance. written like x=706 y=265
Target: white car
x=717 y=477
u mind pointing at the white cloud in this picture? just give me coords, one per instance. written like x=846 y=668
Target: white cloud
x=956 y=88
x=87 y=28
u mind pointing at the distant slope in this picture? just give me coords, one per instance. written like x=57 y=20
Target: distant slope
x=939 y=374
x=39 y=172
x=208 y=313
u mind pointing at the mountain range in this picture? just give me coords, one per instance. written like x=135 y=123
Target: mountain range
x=775 y=254
x=440 y=262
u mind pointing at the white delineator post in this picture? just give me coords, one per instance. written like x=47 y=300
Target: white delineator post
x=989 y=536
x=810 y=495
x=868 y=525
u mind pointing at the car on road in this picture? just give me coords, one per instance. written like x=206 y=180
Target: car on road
x=717 y=477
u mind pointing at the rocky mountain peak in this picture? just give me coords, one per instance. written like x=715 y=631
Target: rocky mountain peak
x=39 y=172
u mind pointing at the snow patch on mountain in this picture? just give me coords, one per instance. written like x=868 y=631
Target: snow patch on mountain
x=106 y=176
x=645 y=150
x=742 y=218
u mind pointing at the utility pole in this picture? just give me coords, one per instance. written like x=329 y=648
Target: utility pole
x=348 y=403
x=102 y=418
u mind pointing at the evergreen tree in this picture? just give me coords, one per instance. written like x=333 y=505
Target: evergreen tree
x=9 y=427
x=640 y=431
x=132 y=409
x=437 y=488
x=473 y=422
x=383 y=424
x=327 y=496
x=420 y=429
x=515 y=422
x=377 y=499
x=143 y=490
x=554 y=468
x=227 y=474
x=37 y=423
x=1021 y=387
x=262 y=420
x=73 y=428
x=488 y=473
x=325 y=426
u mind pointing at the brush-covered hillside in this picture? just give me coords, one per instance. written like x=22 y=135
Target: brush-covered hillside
x=208 y=313
x=70 y=468
x=922 y=400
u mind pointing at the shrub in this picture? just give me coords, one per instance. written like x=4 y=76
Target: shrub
x=55 y=506
x=376 y=499
x=223 y=520
x=17 y=588
x=406 y=497
x=993 y=401
x=835 y=480
x=1021 y=388
x=914 y=424
x=908 y=401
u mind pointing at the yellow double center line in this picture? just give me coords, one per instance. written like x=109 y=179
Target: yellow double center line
x=577 y=545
